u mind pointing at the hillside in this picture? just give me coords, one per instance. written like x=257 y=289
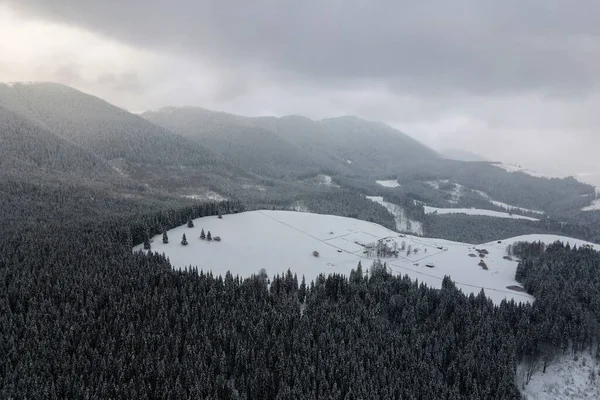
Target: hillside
x=462 y=155
x=237 y=141
x=282 y=240
x=343 y=145
x=99 y=127
x=26 y=148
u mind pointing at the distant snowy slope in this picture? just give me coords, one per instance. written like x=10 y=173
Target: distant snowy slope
x=518 y=168
x=475 y=211
x=278 y=240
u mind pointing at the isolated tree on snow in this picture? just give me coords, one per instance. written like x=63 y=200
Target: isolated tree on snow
x=147 y=244
x=220 y=215
x=403 y=247
x=208 y=236
x=190 y=223
x=408 y=250
x=165 y=237
x=202 y=235
x=184 y=240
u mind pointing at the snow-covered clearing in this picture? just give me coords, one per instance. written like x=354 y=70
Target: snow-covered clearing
x=208 y=195
x=458 y=190
x=436 y=184
x=325 y=180
x=403 y=223
x=566 y=378
x=253 y=187
x=475 y=211
x=514 y=208
x=278 y=240
x=392 y=183
x=595 y=206
x=300 y=206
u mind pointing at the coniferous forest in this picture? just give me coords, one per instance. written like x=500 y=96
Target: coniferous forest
x=82 y=316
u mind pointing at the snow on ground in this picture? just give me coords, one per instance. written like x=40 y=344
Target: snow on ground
x=253 y=187
x=595 y=206
x=300 y=206
x=436 y=184
x=392 y=183
x=403 y=223
x=514 y=208
x=475 y=211
x=325 y=180
x=208 y=195
x=544 y=238
x=349 y=161
x=565 y=379
x=518 y=168
x=278 y=240
x=505 y=205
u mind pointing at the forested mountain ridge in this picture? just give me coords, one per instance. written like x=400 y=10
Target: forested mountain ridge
x=274 y=162
x=347 y=145
x=238 y=142
x=27 y=148
x=97 y=126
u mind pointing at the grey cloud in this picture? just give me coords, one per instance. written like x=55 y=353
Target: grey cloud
x=426 y=48
x=69 y=74
x=124 y=82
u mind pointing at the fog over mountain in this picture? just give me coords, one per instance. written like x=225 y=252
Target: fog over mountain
x=509 y=81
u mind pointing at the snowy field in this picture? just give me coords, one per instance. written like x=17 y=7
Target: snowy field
x=475 y=211
x=566 y=378
x=278 y=240
x=389 y=184
x=403 y=223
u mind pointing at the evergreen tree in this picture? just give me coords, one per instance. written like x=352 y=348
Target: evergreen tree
x=184 y=240
x=208 y=236
x=220 y=215
x=190 y=223
x=202 y=234
x=302 y=290
x=165 y=237
x=146 y=244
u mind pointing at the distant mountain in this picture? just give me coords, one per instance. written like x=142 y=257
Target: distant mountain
x=373 y=145
x=462 y=155
x=26 y=148
x=345 y=144
x=97 y=126
x=238 y=141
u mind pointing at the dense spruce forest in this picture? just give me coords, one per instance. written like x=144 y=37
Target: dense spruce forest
x=82 y=316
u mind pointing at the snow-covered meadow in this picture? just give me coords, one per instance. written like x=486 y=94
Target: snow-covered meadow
x=392 y=183
x=278 y=240
x=476 y=211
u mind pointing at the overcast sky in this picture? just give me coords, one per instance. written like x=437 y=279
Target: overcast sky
x=510 y=80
